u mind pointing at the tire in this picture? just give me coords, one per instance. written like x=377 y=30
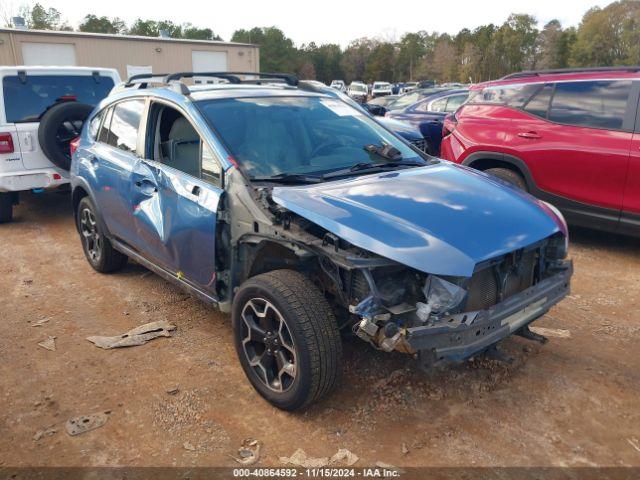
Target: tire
x=509 y=176
x=96 y=246
x=6 y=207
x=58 y=126
x=298 y=328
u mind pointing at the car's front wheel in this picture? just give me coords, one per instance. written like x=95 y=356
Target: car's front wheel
x=509 y=176
x=97 y=247
x=287 y=338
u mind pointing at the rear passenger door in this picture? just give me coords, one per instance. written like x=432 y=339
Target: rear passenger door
x=176 y=192
x=112 y=158
x=576 y=143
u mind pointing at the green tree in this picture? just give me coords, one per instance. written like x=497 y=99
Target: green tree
x=152 y=28
x=277 y=51
x=95 y=24
x=194 y=33
x=355 y=57
x=609 y=36
x=41 y=18
x=381 y=63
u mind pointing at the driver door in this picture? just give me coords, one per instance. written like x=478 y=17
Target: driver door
x=176 y=193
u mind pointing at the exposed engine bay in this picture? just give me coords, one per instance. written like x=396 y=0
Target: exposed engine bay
x=396 y=307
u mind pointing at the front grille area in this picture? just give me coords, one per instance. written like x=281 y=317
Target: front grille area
x=498 y=282
x=421 y=145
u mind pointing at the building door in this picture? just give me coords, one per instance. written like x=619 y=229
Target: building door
x=48 y=54
x=204 y=61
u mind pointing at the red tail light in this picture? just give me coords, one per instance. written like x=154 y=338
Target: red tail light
x=449 y=125
x=73 y=145
x=6 y=143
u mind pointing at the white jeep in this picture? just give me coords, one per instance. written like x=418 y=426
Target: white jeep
x=41 y=110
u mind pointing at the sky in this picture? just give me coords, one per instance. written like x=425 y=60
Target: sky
x=326 y=21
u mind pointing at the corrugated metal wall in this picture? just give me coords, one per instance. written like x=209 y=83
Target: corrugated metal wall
x=118 y=52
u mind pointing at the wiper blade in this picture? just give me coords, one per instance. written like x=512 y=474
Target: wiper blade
x=382 y=166
x=288 y=178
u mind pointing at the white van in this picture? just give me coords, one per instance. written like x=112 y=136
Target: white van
x=33 y=157
x=380 y=89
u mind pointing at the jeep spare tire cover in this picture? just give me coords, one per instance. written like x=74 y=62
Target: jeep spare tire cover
x=58 y=126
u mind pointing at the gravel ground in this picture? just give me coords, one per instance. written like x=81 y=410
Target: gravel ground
x=571 y=402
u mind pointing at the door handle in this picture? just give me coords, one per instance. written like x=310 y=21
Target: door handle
x=93 y=160
x=195 y=190
x=530 y=135
x=147 y=186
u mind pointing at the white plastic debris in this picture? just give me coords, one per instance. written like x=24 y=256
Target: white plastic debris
x=137 y=336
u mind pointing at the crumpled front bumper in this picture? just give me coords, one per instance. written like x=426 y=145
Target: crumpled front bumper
x=471 y=332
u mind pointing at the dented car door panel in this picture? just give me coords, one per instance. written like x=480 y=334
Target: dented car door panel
x=175 y=218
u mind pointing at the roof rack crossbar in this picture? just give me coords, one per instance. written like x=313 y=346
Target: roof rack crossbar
x=232 y=77
x=537 y=73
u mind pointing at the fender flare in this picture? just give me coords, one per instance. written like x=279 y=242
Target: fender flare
x=512 y=160
x=79 y=182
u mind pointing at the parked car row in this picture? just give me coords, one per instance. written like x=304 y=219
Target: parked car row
x=291 y=207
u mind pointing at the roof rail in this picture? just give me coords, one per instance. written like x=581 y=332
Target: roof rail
x=536 y=73
x=232 y=77
x=138 y=79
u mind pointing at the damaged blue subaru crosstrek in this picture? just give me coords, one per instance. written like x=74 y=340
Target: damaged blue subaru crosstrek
x=303 y=217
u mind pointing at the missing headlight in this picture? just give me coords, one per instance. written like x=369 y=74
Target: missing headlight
x=442 y=296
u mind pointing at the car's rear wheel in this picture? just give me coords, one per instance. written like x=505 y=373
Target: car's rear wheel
x=286 y=338
x=97 y=247
x=6 y=207
x=509 y=176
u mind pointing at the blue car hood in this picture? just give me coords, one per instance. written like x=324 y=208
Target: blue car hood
x=441 y=219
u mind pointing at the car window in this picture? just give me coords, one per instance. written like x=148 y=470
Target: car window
x=439 y=105
x=538 y=104
x=514 y=95
x=27 y=98
x=454 y=102
x=598 y=104
x=276 y=135
x=178 y=144
x=103 y=136
x=94 y=125
x=404 y=101
x=211 y=169
x=125 y=123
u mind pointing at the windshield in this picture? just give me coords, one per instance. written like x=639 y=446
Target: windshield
x=381 y=85
x=357 y=87
x=270 y=136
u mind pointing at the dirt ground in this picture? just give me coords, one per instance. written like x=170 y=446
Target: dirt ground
x=572 y=402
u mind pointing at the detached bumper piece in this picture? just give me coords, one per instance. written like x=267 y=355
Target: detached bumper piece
x=462 y=335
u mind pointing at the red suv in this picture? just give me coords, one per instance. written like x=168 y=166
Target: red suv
x=570 y=137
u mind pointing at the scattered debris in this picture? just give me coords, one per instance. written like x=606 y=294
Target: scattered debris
x=188 y=446
x=137 y=336
x=173 y=390
x=404 y=449
x=46 y=432
x=551 y=332
x=634 y=443
x=49 y=343
x=345 y=456
x=301 y=459
x=249 y=452
x=85 y=423
x=40 y=322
